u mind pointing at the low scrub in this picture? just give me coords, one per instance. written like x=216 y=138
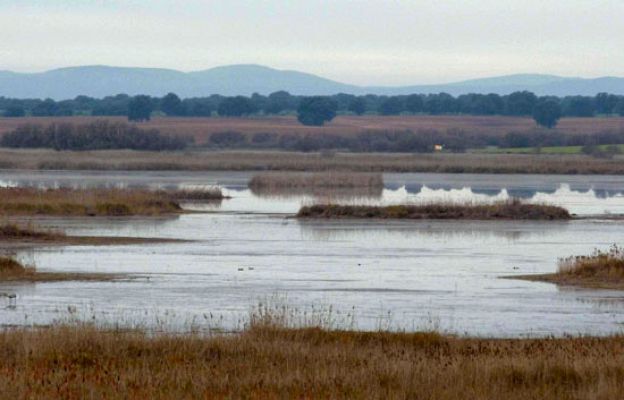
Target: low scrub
x=508 y=210
x=97 y=135
x=273 y=362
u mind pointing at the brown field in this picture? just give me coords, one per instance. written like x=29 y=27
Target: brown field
x=202 y=128
x=600 y=270
x=293 y=161
x=509 y=210
x=78 y=362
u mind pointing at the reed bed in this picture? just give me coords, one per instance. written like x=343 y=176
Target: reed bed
x=601 y=269
x=97 y=202
x=341 y=184
x=507 y=210
x=264 y=362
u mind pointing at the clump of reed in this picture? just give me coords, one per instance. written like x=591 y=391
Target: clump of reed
x=320 y=183
x=82 y=361
x=86 y=202
x=603 y=269
x=506 y=210
x=607 y=264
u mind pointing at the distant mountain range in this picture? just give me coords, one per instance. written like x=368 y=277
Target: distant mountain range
x=100 y=81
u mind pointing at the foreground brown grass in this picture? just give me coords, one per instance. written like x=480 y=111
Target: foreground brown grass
x=77 y=362
x=86 y=202
x=13 y=271
x=202 y=128
x=601 y=269
x=291 y=161
x=509 y=210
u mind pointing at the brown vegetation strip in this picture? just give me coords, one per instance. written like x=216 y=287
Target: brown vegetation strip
x=511 y=210
x=14 y=236
x=13 y=271
x=202 y=128
x=600 y=270
x=96 y=202
x=319 y=183
x=272 y=363
x=291 y=161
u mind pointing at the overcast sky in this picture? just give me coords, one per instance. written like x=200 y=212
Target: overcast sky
x=369 y=42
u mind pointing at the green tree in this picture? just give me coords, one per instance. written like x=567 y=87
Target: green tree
x=547 y=113
x=236 y=107
x=278 y=102
x=172 y=105
x=316 y=110
x=392 y=106
x=14 y=111
x=520 y=103
x=619 y=107
x=357 y=105
x=140 y=108
x=414 y=103
x=605 y=103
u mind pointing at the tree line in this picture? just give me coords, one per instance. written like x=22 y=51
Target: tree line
x=317 y=110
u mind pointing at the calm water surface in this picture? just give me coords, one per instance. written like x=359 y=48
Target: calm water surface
x=402 y=274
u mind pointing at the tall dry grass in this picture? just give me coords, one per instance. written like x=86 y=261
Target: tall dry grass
x=77 y=362
x=97 y=201
x=609 y=263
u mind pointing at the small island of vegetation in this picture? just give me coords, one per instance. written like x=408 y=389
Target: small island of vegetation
x=506 y=210
x=600 y=270
x=98 y=201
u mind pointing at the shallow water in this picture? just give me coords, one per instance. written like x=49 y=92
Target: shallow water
x=401 y=274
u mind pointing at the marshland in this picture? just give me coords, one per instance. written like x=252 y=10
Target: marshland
x=365 y=307
x=217 y=257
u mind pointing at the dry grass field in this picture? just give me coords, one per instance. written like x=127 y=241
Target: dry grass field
x=202 y=128
x=293 y=161
x=79 y=362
